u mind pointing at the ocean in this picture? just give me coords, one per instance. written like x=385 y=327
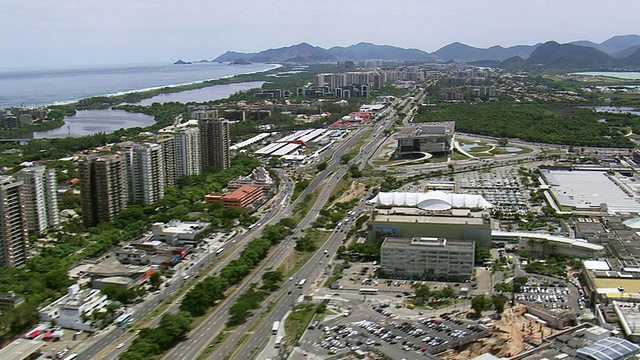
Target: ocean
x=33 y=88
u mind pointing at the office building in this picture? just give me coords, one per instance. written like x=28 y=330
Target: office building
x=433 y=138
x=427 y=258
x=74 y=310
x=215 y=142
x=177 y=232
x=13 y=223
x=456 y=217
x=145 y=171
x=188 y=151
x=239 y=198
x=259 y=177
x=103 y=187
x=41 y=198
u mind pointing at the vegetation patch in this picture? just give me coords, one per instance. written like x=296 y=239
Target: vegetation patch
x=298 y=320
x=579 y=126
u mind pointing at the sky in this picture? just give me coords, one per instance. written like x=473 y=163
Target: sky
x=48 y=33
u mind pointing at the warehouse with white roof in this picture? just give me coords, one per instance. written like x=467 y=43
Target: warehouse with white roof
x=291 y=144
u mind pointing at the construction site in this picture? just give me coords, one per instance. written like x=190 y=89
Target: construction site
x=512 y=334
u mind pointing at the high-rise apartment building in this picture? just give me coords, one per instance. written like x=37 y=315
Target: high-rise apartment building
x=204 y=114
x=318 y=80
x=188 y=151
x=103 y=187
x=215 y=143
x=168 y=145
x=145 y=172
x=13 y=223
x=41 y=197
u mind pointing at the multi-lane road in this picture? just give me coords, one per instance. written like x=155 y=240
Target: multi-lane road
x=200 y=337
x=314 y=268
x=103 y=346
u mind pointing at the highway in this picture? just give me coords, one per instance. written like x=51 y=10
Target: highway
x=314 y=268
x=200 y=337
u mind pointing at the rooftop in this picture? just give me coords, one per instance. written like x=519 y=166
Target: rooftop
x=588 y=189
x=428 y=242
x=447 y=220
x=182 y=227
x=609 y=349
x=429 y=129
x=629 y=315
x=432 y=200
x=240 y=192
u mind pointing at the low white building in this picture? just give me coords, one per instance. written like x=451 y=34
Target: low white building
x=71 y=310
x=177 y=232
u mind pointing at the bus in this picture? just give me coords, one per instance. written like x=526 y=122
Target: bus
x=279 y=341
x=124 y=319
x=219 y=251
x=301 y=283
x=368 y=291
x=71 y=357
x=274 y=328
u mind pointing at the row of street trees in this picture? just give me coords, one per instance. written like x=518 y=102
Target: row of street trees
x=211 y=289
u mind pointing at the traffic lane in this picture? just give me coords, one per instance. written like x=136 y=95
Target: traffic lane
x=311 y=216
x=198 y=345
x=283 y=306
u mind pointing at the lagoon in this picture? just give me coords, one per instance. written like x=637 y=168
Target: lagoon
x=205 y=94
x=87 y=122
x=615 y=74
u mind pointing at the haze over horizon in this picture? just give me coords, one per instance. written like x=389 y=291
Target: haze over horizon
x=49 y=34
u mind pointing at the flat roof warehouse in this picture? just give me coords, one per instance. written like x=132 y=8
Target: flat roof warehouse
x=588 y=189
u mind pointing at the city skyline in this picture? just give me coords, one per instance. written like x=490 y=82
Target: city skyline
x=76 y=33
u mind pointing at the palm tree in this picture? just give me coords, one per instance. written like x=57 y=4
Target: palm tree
x=532 y=242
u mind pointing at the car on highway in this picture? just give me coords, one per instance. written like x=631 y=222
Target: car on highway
x=120 y=346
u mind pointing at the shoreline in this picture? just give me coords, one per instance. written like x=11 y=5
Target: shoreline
x=154 y=91
x=169 y=88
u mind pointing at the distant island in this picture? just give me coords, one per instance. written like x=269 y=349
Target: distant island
x=240 y=62
x=181 y=62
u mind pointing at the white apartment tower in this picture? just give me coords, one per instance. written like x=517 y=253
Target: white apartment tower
x=318 y=80
x=145 y=172
x=188 y=151
x=14 y=247
x=168 y=151
x=41 y=197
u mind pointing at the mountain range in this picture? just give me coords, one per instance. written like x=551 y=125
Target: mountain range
x=618 y=51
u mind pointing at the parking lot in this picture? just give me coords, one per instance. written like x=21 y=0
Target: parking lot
x=396 y=338
x=558 y=298
x=364 y=275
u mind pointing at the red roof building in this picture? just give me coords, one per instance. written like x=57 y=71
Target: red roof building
x=239 y=198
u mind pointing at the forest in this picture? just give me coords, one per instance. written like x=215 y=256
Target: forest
x=574 y=126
